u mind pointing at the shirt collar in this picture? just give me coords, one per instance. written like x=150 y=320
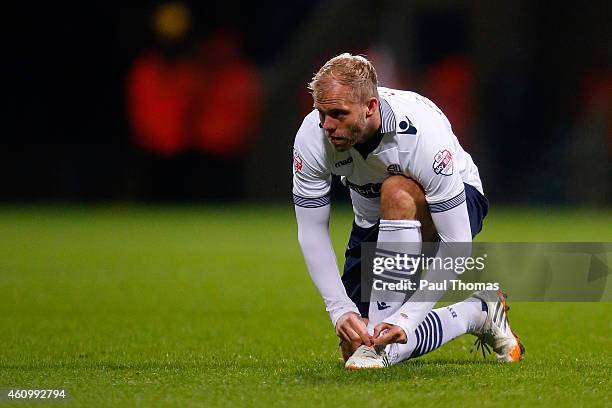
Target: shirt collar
x=387 y=125
x=387 y=117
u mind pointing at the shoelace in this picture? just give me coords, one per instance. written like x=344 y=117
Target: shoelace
x=480 y=344
x=369 y=352
x=375 y=354
x=480 y=340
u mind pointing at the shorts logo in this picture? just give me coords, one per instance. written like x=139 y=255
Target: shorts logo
x=394 y=169
x=343 y=162
x=443 y=163
x=297 y=162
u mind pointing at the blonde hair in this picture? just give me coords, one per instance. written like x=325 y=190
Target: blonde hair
x=354 y=71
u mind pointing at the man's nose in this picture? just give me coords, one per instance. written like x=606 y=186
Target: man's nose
x=329 y=124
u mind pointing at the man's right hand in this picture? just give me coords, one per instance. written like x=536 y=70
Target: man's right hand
x=352 y=329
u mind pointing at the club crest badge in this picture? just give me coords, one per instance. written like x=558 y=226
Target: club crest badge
x=443 y=163
x=394 y=169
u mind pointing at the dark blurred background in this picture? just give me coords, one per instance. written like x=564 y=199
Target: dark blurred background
x=200 y=101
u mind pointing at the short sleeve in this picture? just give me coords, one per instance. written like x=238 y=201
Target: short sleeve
x=311 y=174
x=435 y=168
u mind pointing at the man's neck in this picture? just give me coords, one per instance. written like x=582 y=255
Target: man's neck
x=369 y=145
x=372 y=138
x=373 y=128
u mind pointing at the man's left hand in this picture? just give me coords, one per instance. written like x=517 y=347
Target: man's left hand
x=390 y=334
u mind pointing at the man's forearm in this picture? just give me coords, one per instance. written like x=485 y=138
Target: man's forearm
x=313 y=235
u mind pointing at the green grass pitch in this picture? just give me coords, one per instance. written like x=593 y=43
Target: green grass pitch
x=212 y=306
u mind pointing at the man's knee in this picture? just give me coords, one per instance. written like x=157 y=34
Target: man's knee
x=401 y=199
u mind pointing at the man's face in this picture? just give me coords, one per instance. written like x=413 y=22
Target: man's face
x=344 y=120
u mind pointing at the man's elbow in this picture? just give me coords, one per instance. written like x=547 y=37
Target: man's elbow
x=305 y=240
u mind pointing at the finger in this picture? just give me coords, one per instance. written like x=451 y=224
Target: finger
x=352 y=336
x=356 y=321
x=365 y=337
x=360 y=328
x=344 y=336
x=343 y=321
x=362 y=332
x=379 y=328
x=341 y=332
x=384 y=340
x=388 y=338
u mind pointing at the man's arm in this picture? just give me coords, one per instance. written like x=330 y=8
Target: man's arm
x=311 y=186
x=313 y=235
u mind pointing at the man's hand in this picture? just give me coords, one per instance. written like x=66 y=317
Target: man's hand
x=390 y=334
x=351 y=329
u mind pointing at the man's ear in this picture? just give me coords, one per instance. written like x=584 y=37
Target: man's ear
x=372 y=106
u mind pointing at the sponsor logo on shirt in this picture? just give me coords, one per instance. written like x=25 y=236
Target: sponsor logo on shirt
x=343 y=162
x=370 y=190
x=297 y=161
x=443 y=163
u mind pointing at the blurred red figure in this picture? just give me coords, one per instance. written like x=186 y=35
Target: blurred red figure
x=194 y=109
x=208 y=103
x=449 y=84
x=159 y=86
x=160 y=93
x=229 y=98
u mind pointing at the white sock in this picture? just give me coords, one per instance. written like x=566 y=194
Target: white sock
x=394 y=237
x=439 y=327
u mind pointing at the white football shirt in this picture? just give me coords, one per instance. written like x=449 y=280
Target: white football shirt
x=417 y=141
